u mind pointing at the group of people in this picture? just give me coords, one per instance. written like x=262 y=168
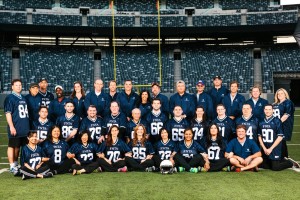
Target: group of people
x=123 y=131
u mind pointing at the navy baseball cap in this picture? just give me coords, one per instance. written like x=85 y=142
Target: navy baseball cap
x=200 y=82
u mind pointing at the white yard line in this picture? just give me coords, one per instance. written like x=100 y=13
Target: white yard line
x=293 y=144
x=3 y=170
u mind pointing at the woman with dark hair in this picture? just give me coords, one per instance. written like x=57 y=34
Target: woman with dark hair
x=215 y=149
x=164 y=149
x=144 y=103
x=199 y=125
x=84 y=153
x=190 y=154
x=55 y=150
x=32 y=160
x=78 y=96
x=142 y=151
x=112 y=152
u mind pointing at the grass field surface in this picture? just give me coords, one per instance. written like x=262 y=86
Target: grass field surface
x=265 y=184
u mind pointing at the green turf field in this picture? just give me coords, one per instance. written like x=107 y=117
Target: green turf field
x=265 y=184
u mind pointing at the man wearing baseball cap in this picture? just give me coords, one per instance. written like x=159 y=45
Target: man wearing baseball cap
x=33 y=102
x=203 y=99
x=155 y=87
x=217 y=93
x=46 y=96
x=57 y=106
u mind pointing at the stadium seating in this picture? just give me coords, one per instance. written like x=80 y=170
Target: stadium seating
x=84 y=3
x=106 y=21
x=59 y=65
x=133 y=5
x=277 y=59
x=5 y=67
x=23 y=4
x=251 y=5
x=217 y=20
x=166 y=21
x=229 y=63
x=272 y=18
x=180 y=4
x=12 y=17
x=56 y=20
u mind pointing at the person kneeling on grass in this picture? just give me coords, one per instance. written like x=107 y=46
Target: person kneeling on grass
x=215 y=149
x=142 y=152
x=113 y=151
x=190 y=155
x=84 y=153
x=243 y=153
x=32 y=160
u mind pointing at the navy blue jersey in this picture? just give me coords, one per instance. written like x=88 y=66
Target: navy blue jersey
x=131 y=125
x=155 y=123
x=233 y=108
x=33 y=105
x=217 y=96
x=145 y=109
x=226 y=127
x=119 y=120
x=79 y=109
x=56 y=151
x=42 y=128
x=258 y=107
x=251 y=125
x=269 y=130
x=199 y=130
x=46 y=98
x=16 y=105
x=215 y=151
x=84 y=154
x=102 y=103
x=165 y=150
x=190 y=151
x=164 y=103
x=67 y=125
x=176 y=129
x=186 y=102
x=115 y=151
x=127 y=102
x=139 y=151
x=247 y=149
x=94 y=126
x=31 y=156
x=205 y=100
x=286 y=107
x=57 y=109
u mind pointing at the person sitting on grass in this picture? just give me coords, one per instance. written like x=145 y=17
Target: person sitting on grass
x=190 y=155
x=112 y=152
x=84 y=153
x=32 y=160
x=215 y=149
x=242 y=152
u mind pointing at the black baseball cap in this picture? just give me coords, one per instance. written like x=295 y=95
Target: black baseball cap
x=218 y=77
x=32 y=85
x=43 y=79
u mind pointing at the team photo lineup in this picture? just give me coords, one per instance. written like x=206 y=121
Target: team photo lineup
x=120 y=131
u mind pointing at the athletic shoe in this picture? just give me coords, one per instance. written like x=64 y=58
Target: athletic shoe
x=76 y=172
x=226 y=169
x=13 y=170
x=194 y=170
x=181 y=169
x=173 y=170
x=202 y=169
x=295 y=164
x=24 y=177
x=123 y=169
x=237 y=169
x=48 y=175
x=98 y=170
x=150 y=169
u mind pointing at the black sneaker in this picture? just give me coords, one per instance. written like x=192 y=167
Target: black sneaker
x=48 y=175
x=295 y=164
x=24 y=177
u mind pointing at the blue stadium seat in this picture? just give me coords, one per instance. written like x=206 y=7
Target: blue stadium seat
x=23 y=4
x=13 y=18
x=180 y=4
x=56 y=20
x=285 y=17
x=95 y=4
x=5 y=67
x=217 y=20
